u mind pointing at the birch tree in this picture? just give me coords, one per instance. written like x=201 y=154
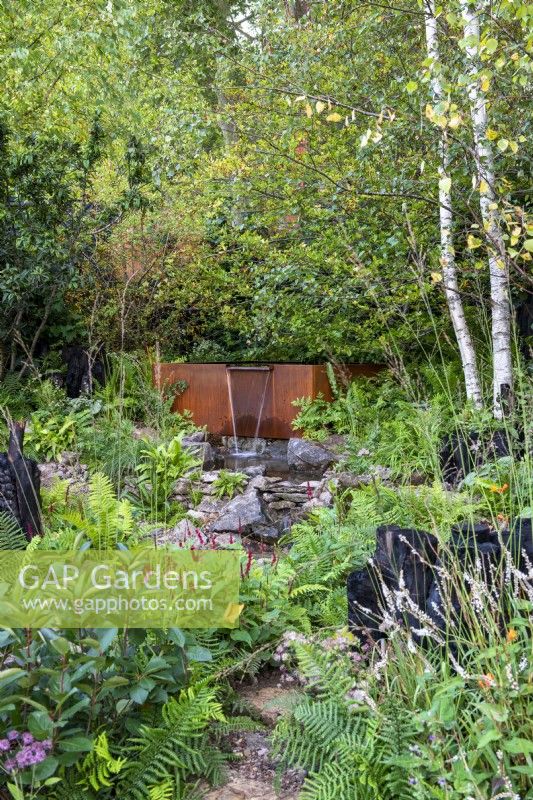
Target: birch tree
x=498 y=267
x=447 y=251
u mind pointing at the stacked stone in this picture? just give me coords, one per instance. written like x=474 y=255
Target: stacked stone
x=8 y=488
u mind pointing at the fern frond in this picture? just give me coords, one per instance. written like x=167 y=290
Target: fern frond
x=11 y=534
x=163 y=791
x=178 y=746
x=99 y=768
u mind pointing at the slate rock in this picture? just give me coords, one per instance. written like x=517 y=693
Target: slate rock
x=265 y=533
x=202 y=451
x=194 y=436
x=242 y=513
x=303 y=454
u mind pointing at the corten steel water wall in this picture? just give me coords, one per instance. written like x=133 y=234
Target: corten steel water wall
x=272 y=386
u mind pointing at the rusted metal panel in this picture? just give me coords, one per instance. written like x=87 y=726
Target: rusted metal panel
x=269 y=388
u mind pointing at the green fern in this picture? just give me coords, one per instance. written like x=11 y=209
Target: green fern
x=163 y=791
x=179 y=746
x=99 y=768
x=104 y=519
x=346 y=754
x=11 y=534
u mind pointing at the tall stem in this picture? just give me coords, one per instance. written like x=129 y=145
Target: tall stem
x=447 y=252
x=498 y=267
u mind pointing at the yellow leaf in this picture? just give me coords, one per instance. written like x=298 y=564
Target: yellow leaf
x=436 y=277
x=455 y=121
x=320 y=106
x=473 y=242
x=430 y=113
x=513 y=146
x=308 y=110
x=485 y=84
x=335 y=117
x=492 y=134
x=483 y=186
x=233 y=612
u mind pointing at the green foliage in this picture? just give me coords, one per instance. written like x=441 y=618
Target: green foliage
x=130 y=391
x=48 y=437
x=99 y=768
x=160 y=467
x=229 y=483
x=503 y=488
x=11 y=535
x=177 y=747
x=103 y=518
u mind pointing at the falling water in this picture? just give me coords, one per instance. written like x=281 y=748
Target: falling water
x=259 y=416
x=230 y=393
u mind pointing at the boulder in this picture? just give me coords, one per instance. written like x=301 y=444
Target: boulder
x=303 y=454
x=281 y=505
x=241 y=514
x=202 y=451
x=265 y=533
x=194 y=437
x=262 y=482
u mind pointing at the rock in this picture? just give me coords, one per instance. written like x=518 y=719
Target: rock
x=263 y=483
x=260 y=469
x=203 y=451
x=183 y=530
x=293 y=497
x=461 y=452
x=242 y=513
x=194 y=436
x=311 y=505
x=210 y=505
x=309 y=484
x=144 y=433
x=325 y=498
x=69 y=458
x=265 y=533
x=197 y=517
x=209 y=477
x=303 y=454
x=183 y=486
x=245 y=444
x=403 y=556
x=281 y=505
x=349 y=481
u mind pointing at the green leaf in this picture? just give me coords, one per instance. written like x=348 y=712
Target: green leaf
x=518 y=746
x=40 y=724
x=411 y=87
x=9 y=675
x=489 y=736
x=76 y=744
x=61 y=644
x=503 y=144
x=241 y=636
x=15 y=792
x=45 y=769
x=528 y=245
x=197 y=653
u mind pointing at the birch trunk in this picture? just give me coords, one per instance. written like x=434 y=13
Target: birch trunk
x=447 y=259
x=498 y=269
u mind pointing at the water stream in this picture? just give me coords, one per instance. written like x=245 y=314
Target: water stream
x=248 y=392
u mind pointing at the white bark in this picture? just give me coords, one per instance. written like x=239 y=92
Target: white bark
x=447 y=258
x=498 y=269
